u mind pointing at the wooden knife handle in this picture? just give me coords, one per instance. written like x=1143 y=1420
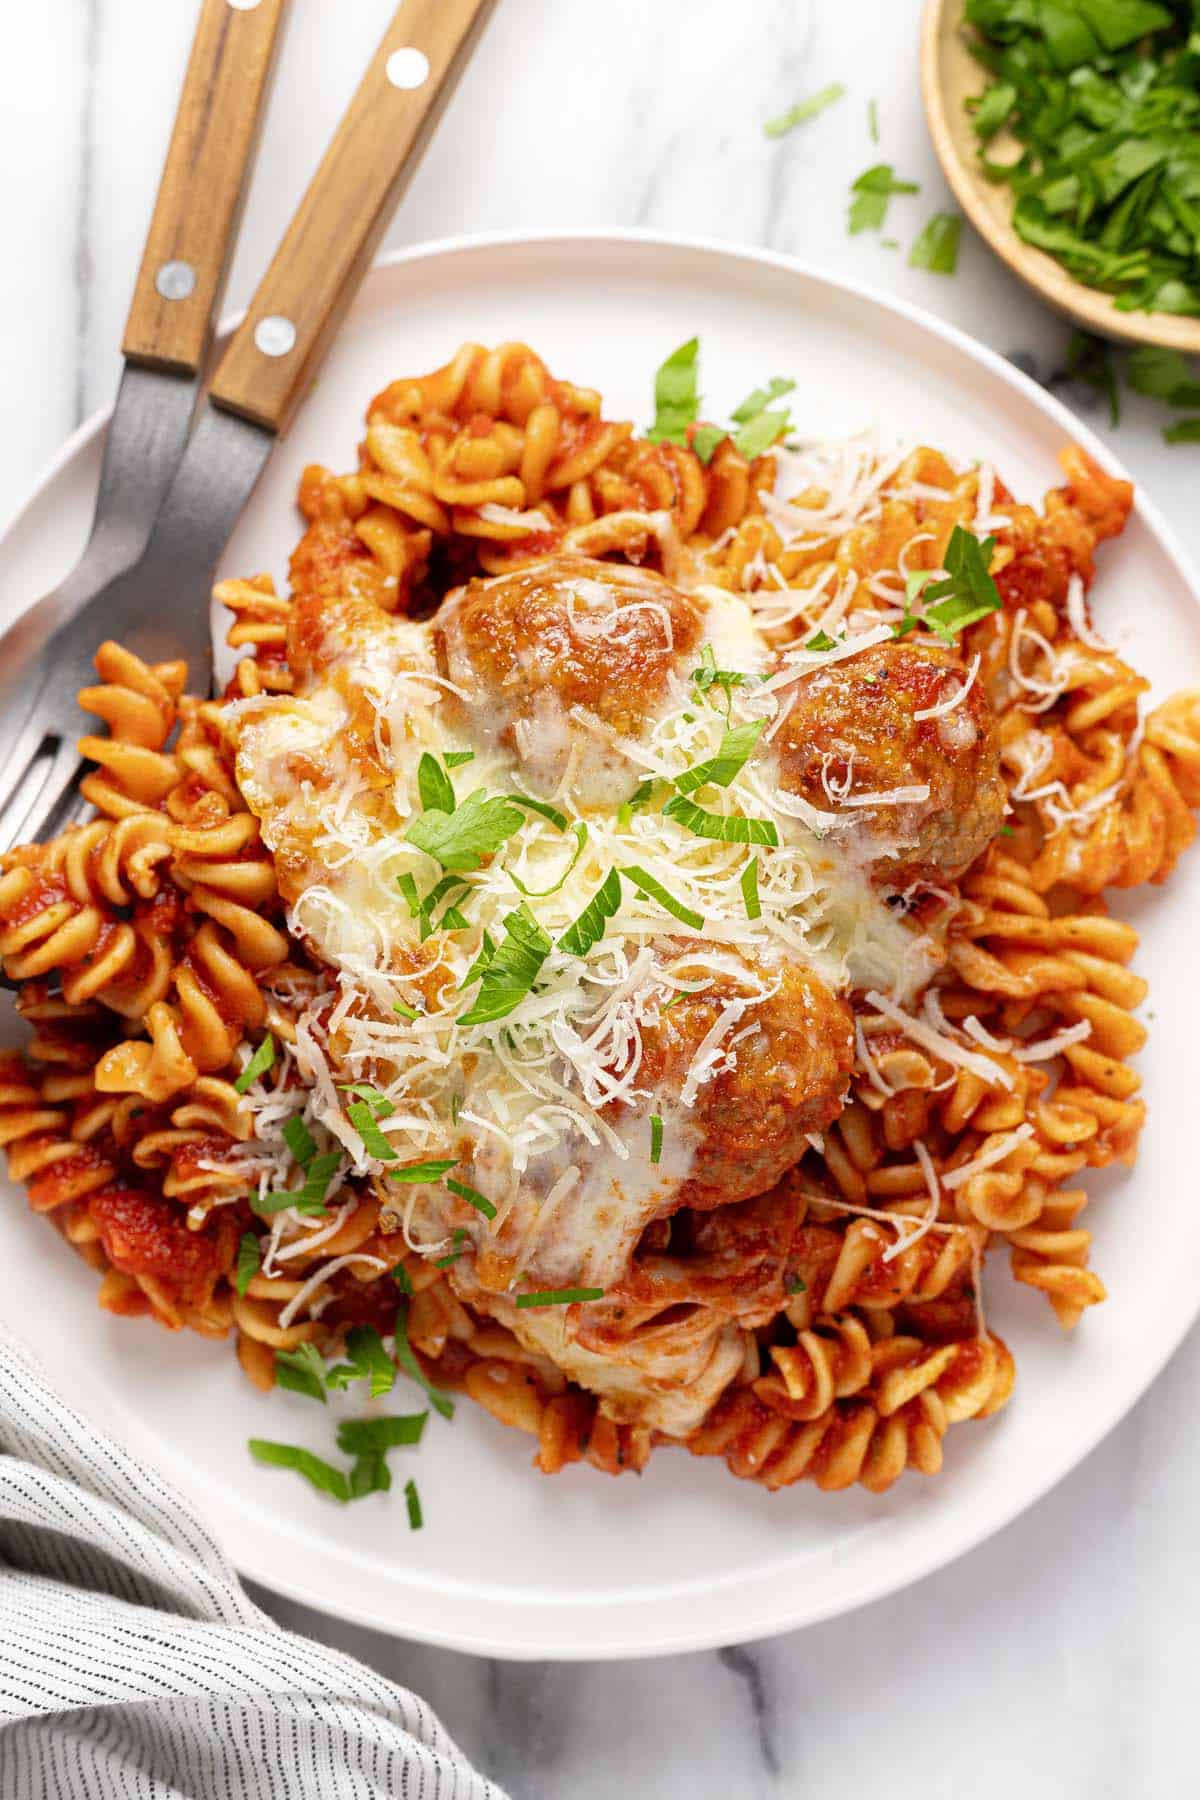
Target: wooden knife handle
x=203 y=182
x=274 y=355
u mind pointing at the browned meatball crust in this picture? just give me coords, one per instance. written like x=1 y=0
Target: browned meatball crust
x=852 y=729
x=786 y=1078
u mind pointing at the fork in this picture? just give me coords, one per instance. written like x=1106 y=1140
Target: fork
x=167 y=335
x=160 y=606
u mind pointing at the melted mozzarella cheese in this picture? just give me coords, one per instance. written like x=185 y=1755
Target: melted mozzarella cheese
x=556 y=1088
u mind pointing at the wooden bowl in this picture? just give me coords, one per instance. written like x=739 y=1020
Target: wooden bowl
x=949 y=76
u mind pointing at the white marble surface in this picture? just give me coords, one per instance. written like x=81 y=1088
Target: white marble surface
x=1060 y=1659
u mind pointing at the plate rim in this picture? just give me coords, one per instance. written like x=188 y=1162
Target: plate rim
x=782 y=1612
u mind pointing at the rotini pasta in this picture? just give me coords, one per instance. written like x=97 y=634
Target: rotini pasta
x=778 y=887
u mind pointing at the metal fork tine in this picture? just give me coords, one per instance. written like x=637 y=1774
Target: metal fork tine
x=46 y=789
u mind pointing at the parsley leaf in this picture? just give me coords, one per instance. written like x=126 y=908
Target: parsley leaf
x=676 y=401
x=1090 y=361
x=309 y=1200
x=512 y=969
x=560 y=1297
x=249 y=1261
x=369 y=1361
x=374 y=1437
x=472 y=1196
x=936 y=247
x=262 y=1060
x=803 y=110
x=362 y=1117
x=645 y=884
x=968 y=593
x=461 y=839
x=656 y=1138
x=412 y=1501
x=433 y=1170
x=588 y=928
x=725 y=829
x=581 y=837
x=872 y=191
x=456 y=1249
x=1183 y=431
x=301 y=1371
x=736 y=747
x=314 y=1469
x=705 y=440
x=299 y=1140
x=1163 y=375
x=454 y=759
x=434 y=785
x=749 y=886
x=440 y=1402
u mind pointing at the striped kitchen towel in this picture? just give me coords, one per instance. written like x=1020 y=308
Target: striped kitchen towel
x=133 y=1664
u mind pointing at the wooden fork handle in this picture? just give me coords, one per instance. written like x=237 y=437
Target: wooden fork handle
x=274 y=355
x=203 y=183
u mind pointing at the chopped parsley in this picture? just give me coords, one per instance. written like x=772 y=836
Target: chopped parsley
x=1090 y=362
x=433 y=1170
x=656 y=1138
x=372 y=1437
x=405 y=1010
x=588 y=928
x=1103 y=100
x=936 y=247
x=454 y=759
x=721 y=827
x=706 y=439
x=457 y=1245
x=676 y=401
x=322 y=1475
x=1183 y=431
x=511 y=970
x=413 y=1502
x=440 y=1402
x=472 y=1196
x=368 y=1361
x=560 y=1297
x=1163 y=375
x=299 y=1140
x=796 y=1285
x=749 y=887
x=460 y=840
x=375 y=1144
x=708 y=676
x=249 y=1261
x=309 y=1200
x=872 y=192
x=262 y=1060
x=434 y=785
x=301 y=1371
x=759 y=423
x=402 y=1279
x=968 y=592
x=873 y=119
x=646 y=885
x=580 y=831
x=803 y=111
x=736 y=747
x=821 y=641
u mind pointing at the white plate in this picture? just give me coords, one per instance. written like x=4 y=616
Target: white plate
x=510 y=1563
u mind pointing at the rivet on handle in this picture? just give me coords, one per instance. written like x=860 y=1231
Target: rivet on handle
x=175 y=280
x=408 y=68
x=275 y=335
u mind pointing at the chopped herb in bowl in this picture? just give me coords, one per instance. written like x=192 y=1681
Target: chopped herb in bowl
x=1101 y=100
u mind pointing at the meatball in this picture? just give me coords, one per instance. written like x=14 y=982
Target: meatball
x=853 y=729
x=786 y=1077
x=536 y=648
